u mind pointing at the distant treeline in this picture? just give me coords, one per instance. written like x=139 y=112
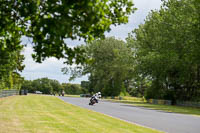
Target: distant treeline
x=50 y=86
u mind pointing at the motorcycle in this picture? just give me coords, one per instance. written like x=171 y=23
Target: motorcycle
x=93 y=100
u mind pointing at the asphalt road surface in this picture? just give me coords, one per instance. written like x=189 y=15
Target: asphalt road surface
x=160 y=120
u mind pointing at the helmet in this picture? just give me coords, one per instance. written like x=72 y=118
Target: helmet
x=99 y=93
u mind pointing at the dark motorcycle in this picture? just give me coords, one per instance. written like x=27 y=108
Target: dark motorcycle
x=93 y=100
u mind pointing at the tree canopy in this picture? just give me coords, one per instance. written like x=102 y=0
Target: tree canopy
x=160 y=59
x=48 y=23
x=167 y=50
x=110 y=64
x=11 y=63
x=51 y=86
x=45 y=85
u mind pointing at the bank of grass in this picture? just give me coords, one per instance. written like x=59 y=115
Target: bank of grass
x=140 y=102
x=67 y=95
x=48 y=114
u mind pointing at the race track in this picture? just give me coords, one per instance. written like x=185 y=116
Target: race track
x=160 y=120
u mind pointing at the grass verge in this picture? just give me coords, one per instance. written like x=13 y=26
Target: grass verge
x=67 y=95
x=48 y=114
x=139 y=102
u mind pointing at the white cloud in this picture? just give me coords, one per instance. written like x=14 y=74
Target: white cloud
x=143 y=8
x=51 y=67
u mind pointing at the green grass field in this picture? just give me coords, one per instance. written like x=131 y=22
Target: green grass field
x=48 y=114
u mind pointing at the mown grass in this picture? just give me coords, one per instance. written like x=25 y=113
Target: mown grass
x=140 y=102
x=67 y=95
x=48 y=114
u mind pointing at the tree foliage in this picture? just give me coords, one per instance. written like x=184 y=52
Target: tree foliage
x=51 y=86
x=167 y=50
x=45 y=85
x=85 y=85
x=73 y=89
x=48 y=23
x=11 y=63
x=109 y=66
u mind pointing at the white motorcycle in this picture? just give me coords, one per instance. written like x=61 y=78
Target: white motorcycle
x=94 y=99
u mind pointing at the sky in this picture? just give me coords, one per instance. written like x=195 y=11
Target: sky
x=51 y=67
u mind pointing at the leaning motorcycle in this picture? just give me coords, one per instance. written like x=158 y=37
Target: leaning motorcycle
x=93 y=100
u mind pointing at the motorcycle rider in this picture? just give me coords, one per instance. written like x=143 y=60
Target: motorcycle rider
x=96 y=97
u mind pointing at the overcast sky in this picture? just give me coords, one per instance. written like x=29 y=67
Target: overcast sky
x=51 y=67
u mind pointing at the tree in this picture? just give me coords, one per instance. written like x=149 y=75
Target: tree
x=57 y=87
x=85 y=85
x=29 y=85
x=73 y=89
x=17 y=80
x=167 y=50
x=11 y=63
x=48 y=23
x=42 y=85
x=45 y=85
x=109 y=66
